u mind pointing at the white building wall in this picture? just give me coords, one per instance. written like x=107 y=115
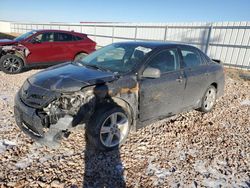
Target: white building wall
x=5 y=27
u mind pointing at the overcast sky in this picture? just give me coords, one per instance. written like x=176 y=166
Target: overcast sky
x=124 y=10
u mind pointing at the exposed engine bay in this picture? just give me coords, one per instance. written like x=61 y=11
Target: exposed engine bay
x=68 y=104
x=66 y=112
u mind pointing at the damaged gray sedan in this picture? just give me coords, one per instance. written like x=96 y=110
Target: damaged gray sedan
x=117 y=89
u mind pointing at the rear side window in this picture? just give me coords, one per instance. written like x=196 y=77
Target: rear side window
x=191 y=58
x=205 y=58
x=166 y=61
x=64 y=37
x=77 y=37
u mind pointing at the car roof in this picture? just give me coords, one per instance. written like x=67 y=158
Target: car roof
x=56 y=30
x=155 y=44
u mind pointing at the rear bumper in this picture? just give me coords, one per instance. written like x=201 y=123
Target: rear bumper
x=28 y=120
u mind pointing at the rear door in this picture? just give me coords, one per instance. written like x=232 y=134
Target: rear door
x=64 y=46
x=196 y=73
x=161 y=97
x=41 y=51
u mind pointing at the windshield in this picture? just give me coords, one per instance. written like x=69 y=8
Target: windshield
x=120 y=58
x=25 y=36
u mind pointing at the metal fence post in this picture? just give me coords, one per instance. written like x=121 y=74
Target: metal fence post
x=208 y=38
x=113 y=30
x=135 y=33
x=95 y=31
x=166 y=33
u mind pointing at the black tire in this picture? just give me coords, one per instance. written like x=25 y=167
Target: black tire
x=94 y=127
x=11 y=64
x=80 y=56
x=207 y=105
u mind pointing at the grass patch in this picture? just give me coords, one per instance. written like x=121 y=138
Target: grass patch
x=7 y=36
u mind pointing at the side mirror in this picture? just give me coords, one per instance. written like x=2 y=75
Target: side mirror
x=35 y=40
x=151 y=73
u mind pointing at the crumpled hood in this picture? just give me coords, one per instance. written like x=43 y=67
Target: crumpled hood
x=6 y=42
x=69 y=77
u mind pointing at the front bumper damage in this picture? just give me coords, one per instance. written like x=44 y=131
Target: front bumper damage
x=48 y=121
x=27 y=119
x=17 y=49
x=36 y=126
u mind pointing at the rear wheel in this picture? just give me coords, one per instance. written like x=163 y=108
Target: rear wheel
x=108 y=129
x=208 y=99
x=11 y=64
x=80 y=56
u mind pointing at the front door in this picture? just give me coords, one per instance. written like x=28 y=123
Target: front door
x=162 y=97
x=41 y=49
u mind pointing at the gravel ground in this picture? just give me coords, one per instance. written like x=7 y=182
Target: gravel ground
x=191 y=150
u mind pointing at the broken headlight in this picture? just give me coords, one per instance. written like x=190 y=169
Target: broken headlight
x=70 y=103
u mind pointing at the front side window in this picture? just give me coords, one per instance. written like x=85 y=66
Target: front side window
x=120 y=58
x=45 y=37
x=166 y=61
x=191 y=58
x=62 y=37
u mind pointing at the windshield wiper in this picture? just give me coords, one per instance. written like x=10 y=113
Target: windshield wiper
x=96 y=67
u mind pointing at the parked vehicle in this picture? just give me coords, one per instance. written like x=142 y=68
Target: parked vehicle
x=117 y=89
x=43 y=48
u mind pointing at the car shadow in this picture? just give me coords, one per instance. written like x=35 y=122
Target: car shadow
x=101 y=169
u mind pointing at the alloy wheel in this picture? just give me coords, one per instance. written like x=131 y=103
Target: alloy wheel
x=209 y=99
x=11 y=64
x=114 y=129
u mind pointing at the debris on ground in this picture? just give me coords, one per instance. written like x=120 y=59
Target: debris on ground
x=192 y=150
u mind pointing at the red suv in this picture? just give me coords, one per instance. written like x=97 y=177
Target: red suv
x=43 y=48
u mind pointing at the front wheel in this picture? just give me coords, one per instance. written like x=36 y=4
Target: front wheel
x=108 y=129
x=11 y=64
x=208 y=99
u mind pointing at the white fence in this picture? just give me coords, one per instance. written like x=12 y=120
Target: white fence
x=5 y=27
x=227 y=41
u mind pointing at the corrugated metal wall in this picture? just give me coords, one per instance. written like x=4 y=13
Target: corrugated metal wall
x=227 y=41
